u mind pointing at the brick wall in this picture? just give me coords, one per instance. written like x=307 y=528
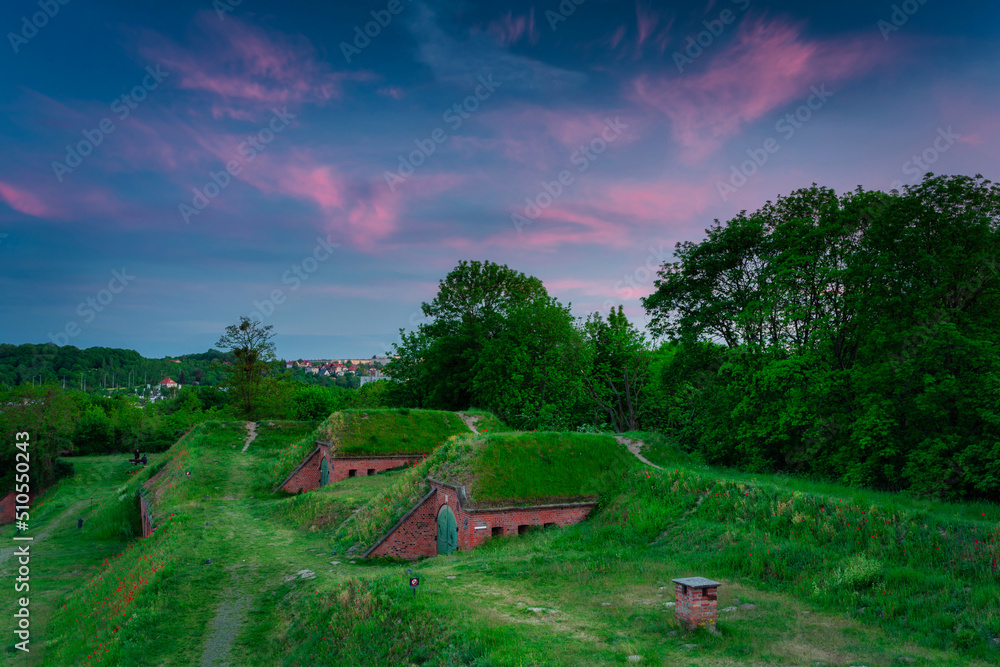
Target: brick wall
x=342 y=465
x=509 y=519
x=416 y=534
x=696 y=606
x=8 y=506
x=306 y=476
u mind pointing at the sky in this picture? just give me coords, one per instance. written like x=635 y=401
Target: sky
x=170 y=167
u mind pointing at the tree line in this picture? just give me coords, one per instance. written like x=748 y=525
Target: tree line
x=851 y=338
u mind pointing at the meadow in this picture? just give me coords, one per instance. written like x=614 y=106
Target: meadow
x=811 y=574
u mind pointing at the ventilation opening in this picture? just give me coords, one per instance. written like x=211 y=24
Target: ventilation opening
x=523 y=528
x=497 y=531
x=352 y=473
x=371 y=471
x=549 y=525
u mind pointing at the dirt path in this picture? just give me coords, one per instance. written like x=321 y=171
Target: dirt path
x=635 y=446
x=251 y=434
x=470 y=420
x=224 y=627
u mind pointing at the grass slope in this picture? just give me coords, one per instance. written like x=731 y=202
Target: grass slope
x=63 y=555
x=595 y=593
x=391 y=431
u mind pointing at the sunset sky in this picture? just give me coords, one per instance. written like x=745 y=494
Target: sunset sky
x=346 y=174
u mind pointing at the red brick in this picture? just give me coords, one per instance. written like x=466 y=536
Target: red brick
x=416 y=534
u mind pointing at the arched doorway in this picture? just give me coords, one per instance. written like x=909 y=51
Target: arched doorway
x=447 y=540
x=324 y=473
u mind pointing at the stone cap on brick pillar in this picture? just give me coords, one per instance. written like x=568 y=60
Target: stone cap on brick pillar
x=697 y=582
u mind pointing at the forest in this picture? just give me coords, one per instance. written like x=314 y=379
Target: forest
x=849 y=337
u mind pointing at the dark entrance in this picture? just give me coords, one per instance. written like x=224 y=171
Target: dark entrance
x=447 y=540
x=324 y=472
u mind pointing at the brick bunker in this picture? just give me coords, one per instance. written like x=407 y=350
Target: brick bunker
x=321 y=467
x=441 y=522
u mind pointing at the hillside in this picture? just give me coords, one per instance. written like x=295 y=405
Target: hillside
x=103 y=366
x=830 y=576
x=390 y=431
x=532 y=468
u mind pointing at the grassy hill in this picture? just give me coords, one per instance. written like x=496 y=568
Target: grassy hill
x=532 y=468
x=390 y=431
x=811 y=574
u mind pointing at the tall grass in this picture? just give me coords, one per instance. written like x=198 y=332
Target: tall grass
x=930 y=577
x=374 y=621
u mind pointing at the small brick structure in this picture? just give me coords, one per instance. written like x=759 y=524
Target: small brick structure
x=363 y=465
x=306 y=477
x=8 y=505
x=416 y=534
x=697 y=602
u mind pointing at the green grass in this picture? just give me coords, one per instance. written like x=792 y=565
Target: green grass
x=488 y=422
x=63 y=555
x=391 y=431
x=533 y=468
x=273 y=435
x=817 y=582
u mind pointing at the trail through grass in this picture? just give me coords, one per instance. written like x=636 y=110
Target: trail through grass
x=591 y=594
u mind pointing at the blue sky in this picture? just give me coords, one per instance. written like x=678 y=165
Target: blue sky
x=170 y=167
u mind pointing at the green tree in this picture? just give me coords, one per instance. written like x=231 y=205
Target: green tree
x=860 y=331
x=617 y=369
x=252 y=346
x=526 y=372
x=469 y=310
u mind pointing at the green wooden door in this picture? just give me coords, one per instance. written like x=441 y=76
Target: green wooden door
x=324 y=473
x=447 y=531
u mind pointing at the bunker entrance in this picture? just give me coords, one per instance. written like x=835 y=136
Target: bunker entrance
x=447 y=538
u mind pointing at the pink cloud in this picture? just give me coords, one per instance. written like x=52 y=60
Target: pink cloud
x=245 y=69
x=509 y=30
x=24 y=201
x=364 y=213
x=589 y=287
x=609 y=215
x=646 y=20
x=767 y=66
x=545 y=139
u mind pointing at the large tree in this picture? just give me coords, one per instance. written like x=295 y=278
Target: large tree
x=861 y=333
x=472 y=305
x=497 y=341
x=252 y=346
